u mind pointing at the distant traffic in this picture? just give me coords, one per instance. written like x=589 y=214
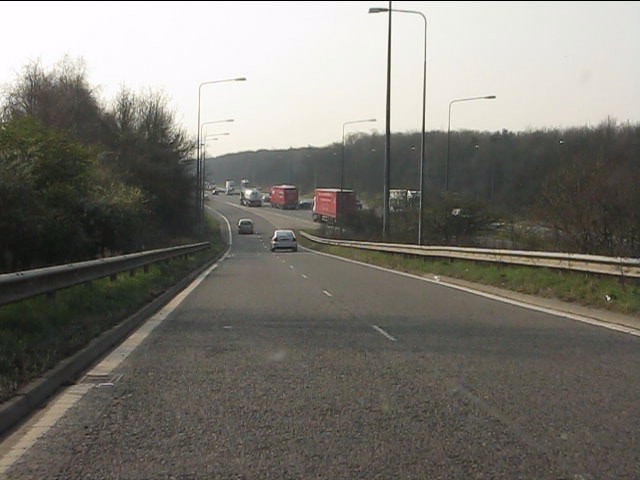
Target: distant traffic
x=328 y=205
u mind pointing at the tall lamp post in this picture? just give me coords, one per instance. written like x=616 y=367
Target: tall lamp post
x=342 y=156
x=199 y=167
x=315 y=173
x=205 y=139
x=204 y=124
x=204 y=159
x=211 y=136
x=387 y=136
x=204 y=149
x=487 y=97
x=424 y=112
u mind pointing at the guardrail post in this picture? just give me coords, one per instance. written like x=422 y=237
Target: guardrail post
x=113 y=277
x=622 y=275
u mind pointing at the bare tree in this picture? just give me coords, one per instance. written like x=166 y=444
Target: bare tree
x=60 y=98
x=149 y=145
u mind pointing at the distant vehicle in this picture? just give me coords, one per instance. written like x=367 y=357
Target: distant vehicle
x=459 y=212
x=284 y=240
x=398 y=199
x=266 y=198
x=284 y=196
x=245 y=225
x=305 y=204
x=413 y=198
x=230 y=187
x=332 y=205
x=250 y=197
x=205 y=197
x=244 y=183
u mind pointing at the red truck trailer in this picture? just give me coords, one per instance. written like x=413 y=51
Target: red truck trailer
x=332 y=205
x=284 y=196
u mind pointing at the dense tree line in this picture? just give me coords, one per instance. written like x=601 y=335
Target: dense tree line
x=79 y=179
x=576 y=188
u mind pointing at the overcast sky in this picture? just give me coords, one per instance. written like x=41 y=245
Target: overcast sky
x=312 y=66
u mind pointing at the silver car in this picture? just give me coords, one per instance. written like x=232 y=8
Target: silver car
x=284 y=240
x=245 y=225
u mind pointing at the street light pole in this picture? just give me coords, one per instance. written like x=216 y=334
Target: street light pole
x=342 y=156
x=205 y=139
x=199 y=178
x=387 y=147
x=424 y=111
x=204 y=148
x=423 y=133
x=387 y=142
x=202 y=166
x=211 y=136
x=487 y=97
x=204 y=124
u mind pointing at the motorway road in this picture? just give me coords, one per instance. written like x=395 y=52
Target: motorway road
x=299 y=365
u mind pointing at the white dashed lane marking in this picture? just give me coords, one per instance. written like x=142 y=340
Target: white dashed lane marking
x=382 y=332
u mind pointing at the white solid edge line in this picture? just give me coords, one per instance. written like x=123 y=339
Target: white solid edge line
x=107 y=364
x=558 y=313
x=68 y=397
x=227 y=221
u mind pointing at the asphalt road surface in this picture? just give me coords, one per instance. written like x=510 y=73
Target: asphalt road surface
x=300 y=366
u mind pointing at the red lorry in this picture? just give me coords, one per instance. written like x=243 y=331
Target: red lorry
x=284 y=196
x=332 y=205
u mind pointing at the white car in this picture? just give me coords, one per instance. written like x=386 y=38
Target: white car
x=284 y=240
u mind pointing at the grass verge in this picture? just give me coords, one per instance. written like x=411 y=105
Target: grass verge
x=598 y=291
x=37 y=333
